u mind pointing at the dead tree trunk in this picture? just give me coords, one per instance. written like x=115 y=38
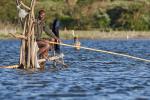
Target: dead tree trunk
x=27 y=48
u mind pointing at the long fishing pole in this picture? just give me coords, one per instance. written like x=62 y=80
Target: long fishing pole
x=103 y=51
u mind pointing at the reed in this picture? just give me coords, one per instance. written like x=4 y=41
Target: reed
x=6 y=28
x=107 y=35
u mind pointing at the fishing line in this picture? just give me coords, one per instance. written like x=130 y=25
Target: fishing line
x=103 y=51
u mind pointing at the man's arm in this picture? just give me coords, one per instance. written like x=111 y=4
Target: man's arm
x=49 y=32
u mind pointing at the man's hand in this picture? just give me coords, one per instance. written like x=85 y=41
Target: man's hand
x=58 y=40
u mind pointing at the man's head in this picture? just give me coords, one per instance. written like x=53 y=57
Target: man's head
x=41 y=14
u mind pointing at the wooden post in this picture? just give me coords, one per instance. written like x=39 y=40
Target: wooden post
x=22 y=47
x=33 y=37
x=27 y=54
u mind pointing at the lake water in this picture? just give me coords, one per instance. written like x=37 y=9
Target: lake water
x=90 y=75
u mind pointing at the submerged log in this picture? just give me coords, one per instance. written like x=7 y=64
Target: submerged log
x=12 y=66
x=39 y=61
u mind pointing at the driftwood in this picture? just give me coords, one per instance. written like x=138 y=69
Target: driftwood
x=12 y=66
x=39 y=61
x=25 y=6
x=18 y=36
x=27 y=48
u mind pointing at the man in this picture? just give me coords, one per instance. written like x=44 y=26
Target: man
x=55 y=30
x=43 y=44
x=76 y=41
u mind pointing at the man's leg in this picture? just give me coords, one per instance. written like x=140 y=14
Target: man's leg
x=57 y=46
x=43 y=55
x=43 y=50
x=44 y=46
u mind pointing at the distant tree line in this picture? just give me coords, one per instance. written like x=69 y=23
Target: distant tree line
x=104 y=15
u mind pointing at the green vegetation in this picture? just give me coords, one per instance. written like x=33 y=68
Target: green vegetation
x=104 y=15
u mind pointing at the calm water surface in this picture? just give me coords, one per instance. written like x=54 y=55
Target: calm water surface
x=90 y=76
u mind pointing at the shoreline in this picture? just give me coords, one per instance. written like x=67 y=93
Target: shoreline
x=109 y=35
x=95 y=35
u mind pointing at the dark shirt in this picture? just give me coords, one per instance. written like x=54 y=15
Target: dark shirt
x=55 y=27
x=40 y=27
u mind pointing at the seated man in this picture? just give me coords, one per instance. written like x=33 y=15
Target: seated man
x=43 y=44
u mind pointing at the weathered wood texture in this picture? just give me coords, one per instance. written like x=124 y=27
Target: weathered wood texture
x=38 y=61
x=27 y=48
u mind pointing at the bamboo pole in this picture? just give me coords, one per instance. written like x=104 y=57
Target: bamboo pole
x=103 y=51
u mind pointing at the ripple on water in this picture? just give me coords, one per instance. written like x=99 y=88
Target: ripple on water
x=90 y=76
